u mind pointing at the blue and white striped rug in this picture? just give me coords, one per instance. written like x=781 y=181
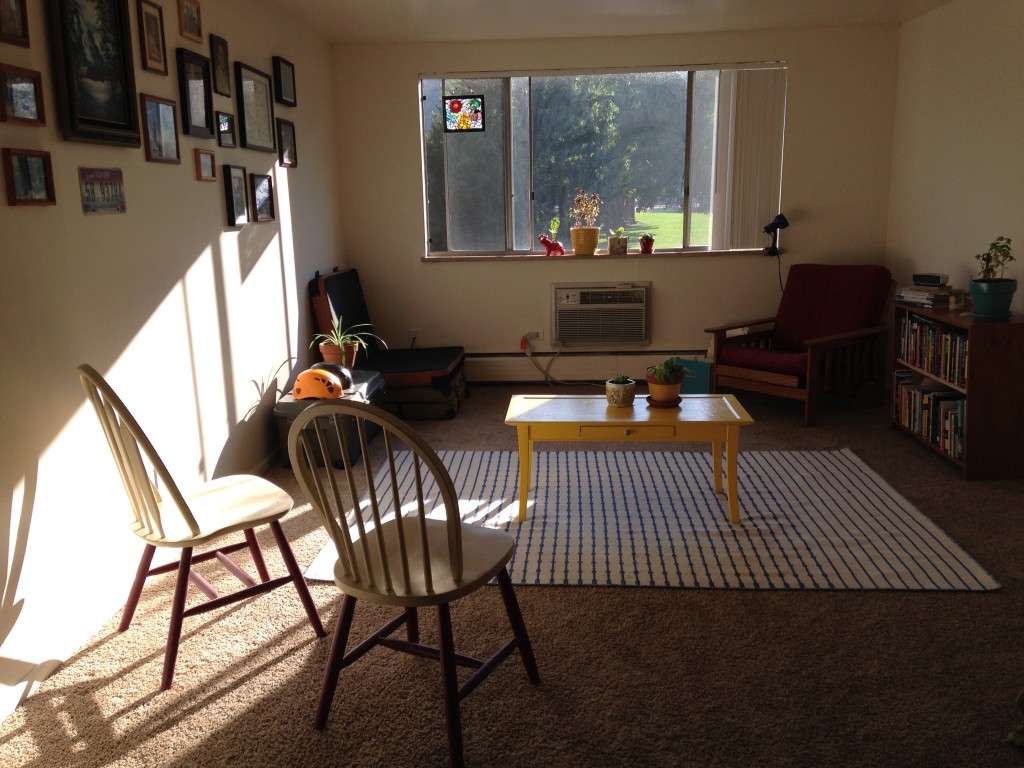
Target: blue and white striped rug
x=808 y=520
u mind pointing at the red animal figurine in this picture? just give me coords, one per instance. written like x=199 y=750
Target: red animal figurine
x=551 y=246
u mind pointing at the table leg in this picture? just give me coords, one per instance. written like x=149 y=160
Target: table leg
x=716 y=464
x=732 y=451
x=525 y=464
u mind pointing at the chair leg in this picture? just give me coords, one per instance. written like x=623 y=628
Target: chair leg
x=334 y=661
x=257 y=555
x=177 y=611
x=297 y=578
x=412 y=625
x=450 y=686
x=141 y=574
x=515 y=618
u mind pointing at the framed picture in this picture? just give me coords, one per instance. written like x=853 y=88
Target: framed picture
x=284 y=82
x=29 y=177
x=151 y=36
x=286 y=153
x=94 y=72
x=235 y=195
x=221 y=65
x=206 y=169
x=13 y=22
x=22 y=100
x=102 y=190
x=255 y=108
x=225 y=129
x=262 y=191
x=190 y=22
x=160 y=129
x=196 y=98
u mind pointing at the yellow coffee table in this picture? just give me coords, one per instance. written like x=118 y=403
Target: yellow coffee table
x=571 y=418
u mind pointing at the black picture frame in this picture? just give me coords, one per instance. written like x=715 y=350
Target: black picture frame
x=160 y=129
x=287 y=154
x=196 y=96
x=236 y=195
x=152 y=48
x=21 y=96
x=28 y=174
x=14 y=23
x=261 y=191
x=284 y=82
x=255 y=97
x=221 y=64
x=100 y=111
x=225 y=129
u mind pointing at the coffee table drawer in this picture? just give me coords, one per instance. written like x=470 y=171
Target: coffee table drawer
x=627 y=432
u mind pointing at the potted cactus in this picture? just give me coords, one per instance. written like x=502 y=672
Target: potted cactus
x=618 y=242
x=620 y=391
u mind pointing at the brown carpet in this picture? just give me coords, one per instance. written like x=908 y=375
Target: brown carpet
x=631 y=677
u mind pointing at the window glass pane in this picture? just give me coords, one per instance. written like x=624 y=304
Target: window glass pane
x=702 y=156
x=433 y=159
x=475 y=172
x=523 y=236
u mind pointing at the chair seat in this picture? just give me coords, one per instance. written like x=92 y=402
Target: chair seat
x=227 y=504
x=758 y=358
x=485 y=552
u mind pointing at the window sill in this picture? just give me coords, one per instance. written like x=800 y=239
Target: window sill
x=633 y=255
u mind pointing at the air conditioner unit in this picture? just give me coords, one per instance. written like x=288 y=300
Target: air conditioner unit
x=593 y=314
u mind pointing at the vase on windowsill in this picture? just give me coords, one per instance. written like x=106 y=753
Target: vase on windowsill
x=584 y=240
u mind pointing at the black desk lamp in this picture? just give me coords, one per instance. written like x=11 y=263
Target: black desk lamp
x=772 y=228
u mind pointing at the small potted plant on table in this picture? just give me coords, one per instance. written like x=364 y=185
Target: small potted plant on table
x=342 y=346
x=991 y=292
x=620 y=391
x=664 y=382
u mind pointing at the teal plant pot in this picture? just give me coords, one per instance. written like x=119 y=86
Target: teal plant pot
x=992 y=298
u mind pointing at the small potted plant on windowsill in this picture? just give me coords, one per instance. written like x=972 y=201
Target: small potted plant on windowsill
x=586 y=206
x=620 y=391
x=342 y=346
x=664 y=382
x=991 y=292
x=647 y=243
x=618 y=243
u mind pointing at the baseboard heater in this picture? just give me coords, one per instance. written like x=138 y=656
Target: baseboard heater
x=600 y=314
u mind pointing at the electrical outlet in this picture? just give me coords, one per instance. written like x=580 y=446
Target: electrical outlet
x=413 y=334
x=531 y=335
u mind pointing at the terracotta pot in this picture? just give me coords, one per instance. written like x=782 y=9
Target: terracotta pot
x=584 y=240
x=331 y=353
x=664 y=392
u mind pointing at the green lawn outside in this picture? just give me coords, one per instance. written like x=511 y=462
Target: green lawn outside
x=667 y=228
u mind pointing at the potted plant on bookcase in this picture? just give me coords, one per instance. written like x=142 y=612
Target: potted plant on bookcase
x=991 y=292
x=342 y=346
x=664 y=382
x=620 y=391
x=586 y=206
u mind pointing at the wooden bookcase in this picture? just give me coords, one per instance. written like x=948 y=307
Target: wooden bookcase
x=947 y=361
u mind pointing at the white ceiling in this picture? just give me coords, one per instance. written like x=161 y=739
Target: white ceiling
x=447 y=20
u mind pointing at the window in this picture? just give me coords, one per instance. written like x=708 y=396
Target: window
x=693 y=156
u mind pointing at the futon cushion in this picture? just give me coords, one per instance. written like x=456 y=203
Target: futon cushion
x=825 y=299
x=775 y=360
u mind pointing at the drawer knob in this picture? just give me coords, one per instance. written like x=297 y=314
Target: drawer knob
x=625 y=432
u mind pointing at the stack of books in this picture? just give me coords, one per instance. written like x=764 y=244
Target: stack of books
x=925 y=295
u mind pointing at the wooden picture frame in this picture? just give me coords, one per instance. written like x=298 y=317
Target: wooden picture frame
x=261 y=190
x=255 y=97
x=152 y=48
x=196 y=97
x=28 y=174
x=287 y=155
x=160 y=129
x=225 y=129
x=98 y=108
x=14 y=22
x=102 y=190
x=190 y=20
x=236 y=195
x=206 y=165
x=21 y=95
x=221 y=65
x=284 y=82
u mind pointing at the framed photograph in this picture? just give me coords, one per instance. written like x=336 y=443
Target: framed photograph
x=255 y=108
x=235 y=195
x=286 y=154
x=102 y=190
x=160 y=129
x=29 y=177
x=262 y=191
x=151 y=36
x=22 y=100
x=206 y=168
x=225 y=129
x=196 y=98
x=13 y=22
x=94 y=72
x=221 y=65
x=190 y=22
x=284 y=82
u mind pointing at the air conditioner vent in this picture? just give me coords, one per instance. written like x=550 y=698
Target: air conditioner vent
x=601 y=313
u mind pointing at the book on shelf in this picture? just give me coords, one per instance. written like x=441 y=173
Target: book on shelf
x=925 y=295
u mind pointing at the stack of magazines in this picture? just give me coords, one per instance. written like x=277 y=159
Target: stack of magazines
x=925 y=295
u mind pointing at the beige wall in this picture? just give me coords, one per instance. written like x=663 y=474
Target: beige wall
x=196 y=324
x=841 y=97
x=958 y=153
